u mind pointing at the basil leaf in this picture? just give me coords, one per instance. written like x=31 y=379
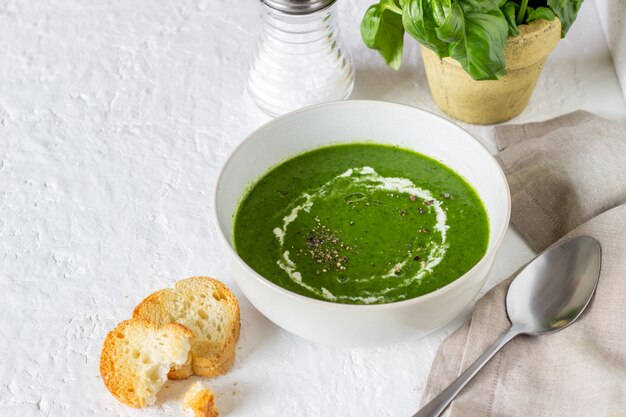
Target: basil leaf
x=440 y=9
x=510 y=11
x=382 y=30
x=452 y=27
x=566 y=10
x=539 y=13
x=419 y=22
x=481 y=51
x=480 y=5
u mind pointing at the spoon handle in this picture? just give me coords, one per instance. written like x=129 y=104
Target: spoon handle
x=441 y=401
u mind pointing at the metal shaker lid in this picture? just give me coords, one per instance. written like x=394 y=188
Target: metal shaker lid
x=298 y=6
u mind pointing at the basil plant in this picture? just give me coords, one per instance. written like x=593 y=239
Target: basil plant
x=474 y=32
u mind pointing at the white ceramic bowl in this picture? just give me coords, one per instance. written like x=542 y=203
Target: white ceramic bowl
x=351 y=121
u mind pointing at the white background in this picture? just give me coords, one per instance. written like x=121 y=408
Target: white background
x=115 y=116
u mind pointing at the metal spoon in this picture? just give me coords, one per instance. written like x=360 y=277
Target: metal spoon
x=549 y=294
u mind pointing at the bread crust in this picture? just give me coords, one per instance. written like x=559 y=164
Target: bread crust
x=207 y=307
x=201 y=401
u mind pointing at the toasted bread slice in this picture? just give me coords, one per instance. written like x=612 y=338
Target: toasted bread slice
x=137 y=356
x=200 y=400
x=206 y=307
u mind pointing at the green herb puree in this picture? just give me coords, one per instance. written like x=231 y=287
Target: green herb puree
x=361 y=224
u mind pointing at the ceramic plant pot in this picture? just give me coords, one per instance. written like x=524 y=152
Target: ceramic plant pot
x=489 y=102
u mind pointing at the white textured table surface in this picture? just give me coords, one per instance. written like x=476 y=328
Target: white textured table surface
x=115 y=116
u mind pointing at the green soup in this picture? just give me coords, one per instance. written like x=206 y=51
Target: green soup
x=361 y=224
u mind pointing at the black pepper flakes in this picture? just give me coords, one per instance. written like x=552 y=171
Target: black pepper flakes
x=325 y=248
x=313 y=241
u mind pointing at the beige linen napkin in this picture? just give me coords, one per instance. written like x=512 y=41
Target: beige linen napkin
x=562 y=172
x=566 y=175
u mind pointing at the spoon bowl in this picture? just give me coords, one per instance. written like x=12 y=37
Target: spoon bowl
x=553 y=290
x=548 y=295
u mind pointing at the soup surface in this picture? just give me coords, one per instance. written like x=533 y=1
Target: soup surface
x=361 y=224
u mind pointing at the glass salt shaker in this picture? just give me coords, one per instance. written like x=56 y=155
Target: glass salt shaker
x=299 y=58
